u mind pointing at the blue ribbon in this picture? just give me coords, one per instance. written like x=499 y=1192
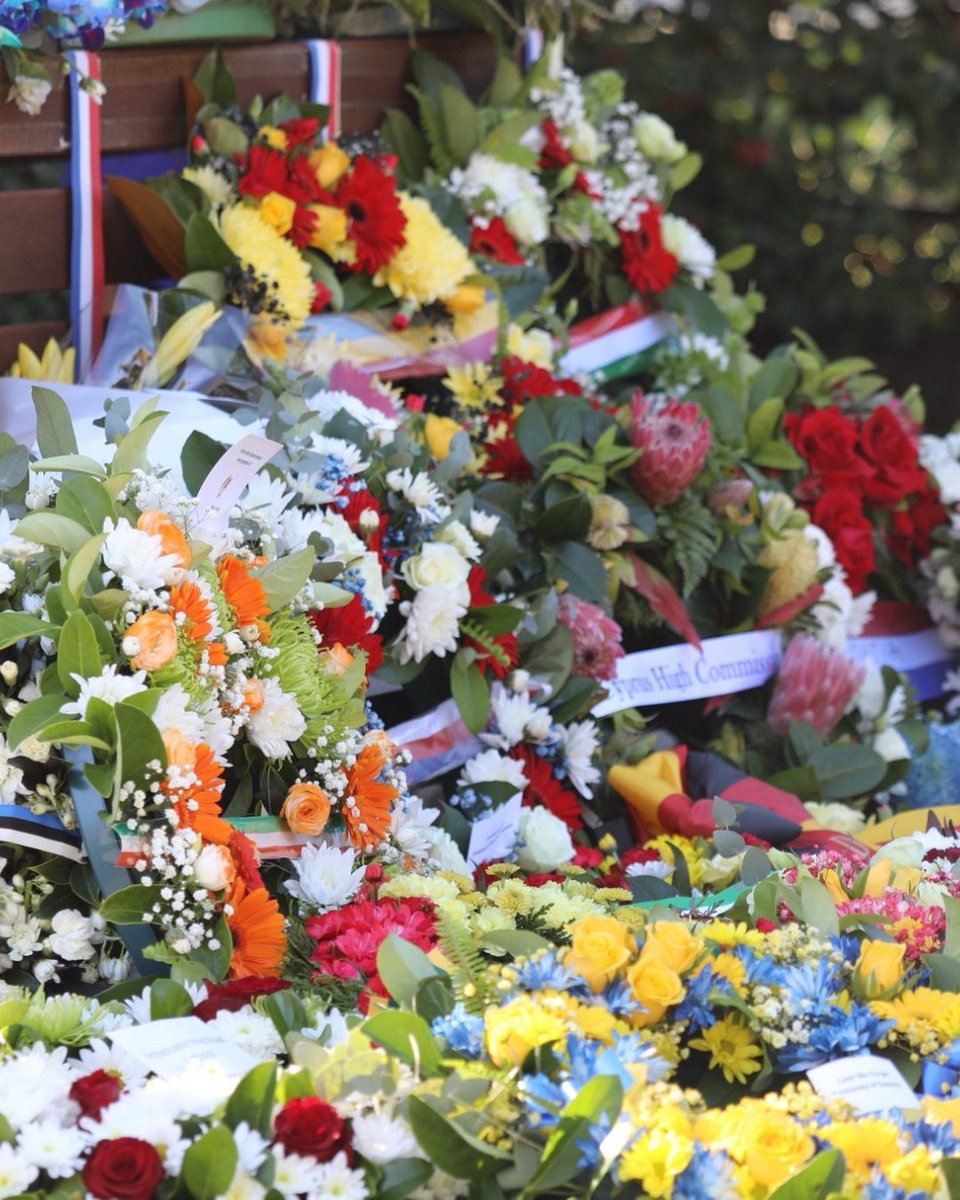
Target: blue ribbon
x=941 y=1076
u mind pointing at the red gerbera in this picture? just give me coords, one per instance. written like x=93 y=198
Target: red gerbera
x=545 y=790
x=347 y=939
x=494 y=241
x=300 y=131
x=301 y=230
x=505 y=460
x=506 y=654
x=321 y=297
x=375 y=220
x=302 y=184
x=647 y=263
x=554 y=153
x=245 y=859
x=349 y=625
x=266 y=171
x=523 y=380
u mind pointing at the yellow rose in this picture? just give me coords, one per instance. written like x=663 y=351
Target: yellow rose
x=831 y=881
x=515 y=1029
x=465 y=299
x=879 y=968
x=330 y=229
x=439 y=432
x=671 y=943
x=329 y=162
x=775 y=1146
x=656 y=986
x=599 y=947
x=884 y=874
x=274 y=137
x=278 y=211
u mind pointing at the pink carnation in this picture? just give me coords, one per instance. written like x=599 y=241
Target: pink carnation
x=815 y=685
x=596 y=638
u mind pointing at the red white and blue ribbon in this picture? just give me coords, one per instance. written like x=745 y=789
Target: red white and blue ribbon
x=86 y=208
x=532 y=47
x=323 y=83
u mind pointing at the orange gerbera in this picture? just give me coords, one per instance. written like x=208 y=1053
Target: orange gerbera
x=188 y=598
x=257 y=927
x=216 y=654
x=367 y=803
x=198 y=804
x=245 y=594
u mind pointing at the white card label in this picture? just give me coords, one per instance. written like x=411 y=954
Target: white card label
x=168 y=1047
x=868 y=1083
x=495 y=837
x=231 y=473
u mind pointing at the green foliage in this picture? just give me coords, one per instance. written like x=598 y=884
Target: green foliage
x=692 y=532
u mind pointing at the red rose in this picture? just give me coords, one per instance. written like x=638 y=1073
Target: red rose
x=588 y=856
x=95 y=1091
x=887 y=445
x=839 y=514
x=310 y=1126
x=300 y=131
x=828 y=441
x=124 y=1168
x=235 y=994
x=911 y=527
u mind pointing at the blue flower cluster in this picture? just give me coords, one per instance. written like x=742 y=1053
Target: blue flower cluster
x=77 y=22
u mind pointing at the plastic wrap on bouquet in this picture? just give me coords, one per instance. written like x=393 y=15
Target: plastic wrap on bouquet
x=371 y=342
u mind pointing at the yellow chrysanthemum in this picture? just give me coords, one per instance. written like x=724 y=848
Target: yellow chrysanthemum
x=794 y=562
x=656 y=1158
x=732 y=1047
x=865 y=1144
x=730 y=968
x=474 y=385
x=216 y=187
x=928 y=1018
x=275 y=280
x=518 y=1027
x=727 y=933
x=914 y=1172
x=432 y=262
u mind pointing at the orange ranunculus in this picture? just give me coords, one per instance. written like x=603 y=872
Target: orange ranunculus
x=257 y=927
x=367 y=803
x=156 y=633
x=335 y=659
x=253 y=695
x=244 y=593
x=188 y=598
x=306 y=808
x=181 y=752
x=172 y=541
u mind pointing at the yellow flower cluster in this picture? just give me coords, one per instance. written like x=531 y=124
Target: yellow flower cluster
x=431 y=265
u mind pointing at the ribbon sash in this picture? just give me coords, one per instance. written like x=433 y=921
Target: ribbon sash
x=324 y=80
x=86 y=210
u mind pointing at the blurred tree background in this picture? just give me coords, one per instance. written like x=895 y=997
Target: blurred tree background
x=830 y=131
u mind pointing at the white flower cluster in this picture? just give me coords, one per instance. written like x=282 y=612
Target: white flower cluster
x=490 y=187
x=437 y=575
x=44 y=945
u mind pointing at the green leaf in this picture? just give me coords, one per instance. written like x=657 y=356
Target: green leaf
x=407 y=1036
x=846 y=772
x=199 y=455
x=401 y=1176
x=551 y=658
x=803 y=742
x=697 y=306
x=286 y=1011
x=823 y=1176
x=777 y=377
x=579 y=567
x=818 y=907
x=54 y=427
x=34 y=715
x=77 y=571
x=506 y=84
x=131 y=452
x=407 y=142
x=14 y=465
x=496 y=618
x=403 y=967
x=450 y=1147
x=226 y=138
x=204 y=248
x=169 y=999
x=71 y=462
x=284 y=577
x=517 y=942
x=951 y=940
x=86 y=501
x=215 y=82
x=599 y=1097
x=17 y=625
x=781 y=456
x=762 y=422
x=737 y=258
x=138 y=743
x=461 y=122
x=470 y=691
x=216 y=962
x=130 y=905
x=77 y=652
x=252 y=1101
x=686 y=171
x=209 y=1164
x=50 y=529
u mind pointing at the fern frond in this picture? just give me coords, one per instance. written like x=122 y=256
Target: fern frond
x=693 y=534
x=471 y=983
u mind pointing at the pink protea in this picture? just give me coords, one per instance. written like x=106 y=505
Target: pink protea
x=675 y=440
x=596 y=638
x=815 y=684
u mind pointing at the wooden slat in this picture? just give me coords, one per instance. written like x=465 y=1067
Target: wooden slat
x=143 y=107
x=35 y=334
x=34 y=240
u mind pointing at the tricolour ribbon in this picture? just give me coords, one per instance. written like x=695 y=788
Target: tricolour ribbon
x=611 y=343
x=86 y=210
x=323 y=83
x=38 y=831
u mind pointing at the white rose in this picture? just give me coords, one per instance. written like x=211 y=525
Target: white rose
x=891 y=746
x=656 y=139
x=584 y=142
x=902 y=852
x=71 y=935
x=532 y=345
x=437 y=563
x=214 y=869
x=689 y=246
x=527 y=221
x=545 y=840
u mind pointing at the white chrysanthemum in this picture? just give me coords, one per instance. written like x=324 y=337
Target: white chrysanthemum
x=174 y=711
x=691 y=249
x=420 y=491
x=458 y=536
x=493 y=767
x=11 y=546
x=217 y=730
x=243 y=1186
x=840 y=817
x=106 y=1056
x=491 y=187
x=545 y=840
x=296 y=1175
x=516 y=719
x=277 y=723
x=432 y=622
x=16 y=1171
x=441 y=1186
x=7 y=576
x=484 y=525
x=72 y=935
x=216 y=187
x=579 y=746
x=657 y=869
x=326 y=877
x=346 y=456
x=52 y=1147
x=108 y=686
x=328 y=403
x=381 y=1138
x=11 y=776
x=338 y=1181
x=410 y=826
x=251 y=1147
x=938 y=457
x=248 y=1029
x=267 y=498
x=34 y=1082
x=136 y=557
x=444 y=853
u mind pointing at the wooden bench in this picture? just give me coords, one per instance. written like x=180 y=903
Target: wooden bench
x=144 y=111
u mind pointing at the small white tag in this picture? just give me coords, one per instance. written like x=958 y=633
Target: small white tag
x=494 y=837
x=866 y=1082
x=168 y=1047
x=231 y=473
